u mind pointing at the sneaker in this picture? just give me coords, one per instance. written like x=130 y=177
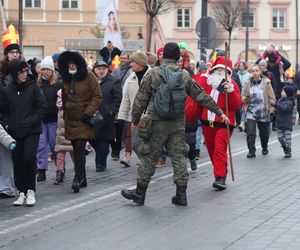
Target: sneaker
x=193 y=164
x=220 y=183
x=265 y=151
x=161 y=163
x=126 y=160
x=30 y=198
x=242 y=127
x=21 y=200
x=197 y=151
x=115 y=155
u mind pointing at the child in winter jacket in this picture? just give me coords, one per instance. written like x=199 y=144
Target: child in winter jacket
x=284 y=119
x=62 y=144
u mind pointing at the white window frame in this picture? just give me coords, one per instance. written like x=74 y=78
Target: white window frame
x=278 y=10
x=33 y=5
x=183 y=18
x=254 y=13
x=70 y=4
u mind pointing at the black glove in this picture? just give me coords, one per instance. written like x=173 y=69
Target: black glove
x=85 y=118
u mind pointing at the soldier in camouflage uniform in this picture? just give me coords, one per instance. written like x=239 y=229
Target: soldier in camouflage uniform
x=164 y=132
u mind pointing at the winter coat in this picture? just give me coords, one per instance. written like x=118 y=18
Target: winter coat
x=7 y=185
x=269 y=97
x=274 y=68
x=25 y=108
x=112 y=95
x=122 y=73
x=62 y=144
x=130 y=89
x=284 y=113
x=4 y=82
x=50 y=93
x=5 y=138
x=297 y=79
x=104 y=52
x=86 y=97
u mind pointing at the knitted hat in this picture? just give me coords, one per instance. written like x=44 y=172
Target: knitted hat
x=55 y=57
x=171 y=51
x=289 y=91
x=139 y=58
x=182 y=45
x=152 y=58
x=10 y=39
x=263 y=62
x=47 y=63
x=270 y=47
x=220 y=63
x=159 y=51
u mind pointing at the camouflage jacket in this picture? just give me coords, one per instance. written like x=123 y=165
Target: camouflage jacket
x=150 y=83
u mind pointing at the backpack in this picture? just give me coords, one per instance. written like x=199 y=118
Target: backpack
x=169 y=98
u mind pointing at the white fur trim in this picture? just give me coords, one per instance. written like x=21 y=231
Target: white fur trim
x=211 y=116
x=220 y=66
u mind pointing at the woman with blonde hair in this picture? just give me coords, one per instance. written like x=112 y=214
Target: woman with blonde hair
x=49 y=83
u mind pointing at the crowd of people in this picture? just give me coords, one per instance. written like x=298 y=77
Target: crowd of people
x=60 y=105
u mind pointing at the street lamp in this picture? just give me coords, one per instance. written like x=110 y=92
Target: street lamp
x=20 y=22
x=297 y=37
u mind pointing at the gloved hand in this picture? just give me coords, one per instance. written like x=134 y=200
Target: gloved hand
x=85 y=118
x=12 y=146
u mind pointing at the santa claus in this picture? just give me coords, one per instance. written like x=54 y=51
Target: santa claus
x=214 y=131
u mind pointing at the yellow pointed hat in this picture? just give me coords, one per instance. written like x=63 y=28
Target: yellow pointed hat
x=10 y=39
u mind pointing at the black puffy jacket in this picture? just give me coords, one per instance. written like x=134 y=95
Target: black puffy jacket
x=25 y=108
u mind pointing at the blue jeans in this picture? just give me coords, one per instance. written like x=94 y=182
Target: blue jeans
x=102 y=150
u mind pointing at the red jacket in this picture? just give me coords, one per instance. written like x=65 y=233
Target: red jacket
x=234 y=101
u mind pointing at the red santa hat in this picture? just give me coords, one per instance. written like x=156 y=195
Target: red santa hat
x=220 y=63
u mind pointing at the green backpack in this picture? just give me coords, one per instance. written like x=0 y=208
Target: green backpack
x=169 y=98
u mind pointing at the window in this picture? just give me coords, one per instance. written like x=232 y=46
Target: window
x=33 y=4
x=278 y=19
x=70 y=4
x=251 y=23
x=184 y=18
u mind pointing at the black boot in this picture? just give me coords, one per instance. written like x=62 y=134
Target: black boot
x=180 y=197
x=288 y=152
x=251 y=154
x=59 y=177
x=77 y=183
x=220 y=183
x=137 y=195
x=41 y=175
x=84 y=182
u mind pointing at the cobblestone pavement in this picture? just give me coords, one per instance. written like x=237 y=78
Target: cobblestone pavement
x=260 y=210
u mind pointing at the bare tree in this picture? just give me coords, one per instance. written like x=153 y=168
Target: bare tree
x=153 y=8
x=227 y=14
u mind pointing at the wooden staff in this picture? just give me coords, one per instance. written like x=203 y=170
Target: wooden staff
x=227 y=113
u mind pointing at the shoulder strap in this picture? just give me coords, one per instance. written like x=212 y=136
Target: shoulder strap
x=124 y=73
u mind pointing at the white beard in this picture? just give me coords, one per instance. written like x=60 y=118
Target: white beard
x=216 y=78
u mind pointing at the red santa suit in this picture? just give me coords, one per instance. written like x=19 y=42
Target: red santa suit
x=214 y=131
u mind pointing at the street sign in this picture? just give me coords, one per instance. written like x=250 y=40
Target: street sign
x=209 y=25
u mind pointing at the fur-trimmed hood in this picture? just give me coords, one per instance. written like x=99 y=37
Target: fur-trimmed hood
x=70 y=56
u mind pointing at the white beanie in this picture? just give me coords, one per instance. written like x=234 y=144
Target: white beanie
x=47 y=63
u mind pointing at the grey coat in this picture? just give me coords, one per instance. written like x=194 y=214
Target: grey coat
x=6 y=164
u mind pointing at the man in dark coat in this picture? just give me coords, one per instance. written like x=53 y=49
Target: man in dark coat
x=109 y=52
x=105 y=130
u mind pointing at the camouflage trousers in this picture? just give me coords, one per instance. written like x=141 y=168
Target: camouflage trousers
x=170 y=134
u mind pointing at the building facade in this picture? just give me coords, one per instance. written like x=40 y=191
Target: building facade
x=51 y=26
x=269 y=21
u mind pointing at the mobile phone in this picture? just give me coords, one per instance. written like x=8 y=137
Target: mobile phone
x=221 y=86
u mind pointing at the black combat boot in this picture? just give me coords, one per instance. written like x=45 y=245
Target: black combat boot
x=251 y=154
x=220 y=183
x=180 y=197
x=77 y=184
x=41 y=175
x=84 y=182
x=288 y=153
x=137 y=195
